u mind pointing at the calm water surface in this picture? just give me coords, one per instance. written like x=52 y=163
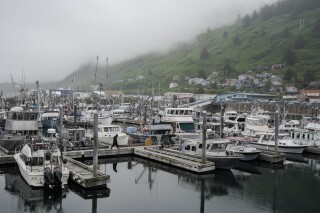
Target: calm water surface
x=138 y=185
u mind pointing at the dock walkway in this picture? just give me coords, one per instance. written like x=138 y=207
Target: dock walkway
x=175 y=159
x=83 y=174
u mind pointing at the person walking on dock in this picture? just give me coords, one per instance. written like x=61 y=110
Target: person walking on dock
x=115 y=141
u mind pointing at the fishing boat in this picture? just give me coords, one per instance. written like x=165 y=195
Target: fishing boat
x=107 y=132
x=230 y=115
x=3 y=118
x=103 y=116
x=41 y=165
x=285 y=143
x=21 y=126
x=159 y=133
x=241 y=146
x=215 y=151
x=74 y=138
x=256 y=124
x=80 y=117
x=49 y=119
x=181 y=121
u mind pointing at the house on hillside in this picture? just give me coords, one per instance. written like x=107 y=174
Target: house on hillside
x=140 y=77
x=291 y=89
x=312 y=95
x=198 y=81
x=173 y=84
x=277 y=66
x=231 y=82
x=276 y=80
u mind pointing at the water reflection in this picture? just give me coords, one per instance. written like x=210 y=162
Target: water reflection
x=33 y=199
x=247 y=167
x=258 y=187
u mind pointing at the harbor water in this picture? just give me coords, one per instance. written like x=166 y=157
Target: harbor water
x=138 y=185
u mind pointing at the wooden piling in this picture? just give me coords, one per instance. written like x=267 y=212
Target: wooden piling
x=204 y=136
x=95 y=145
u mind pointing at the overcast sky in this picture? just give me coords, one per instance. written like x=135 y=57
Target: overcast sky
x=53 y=38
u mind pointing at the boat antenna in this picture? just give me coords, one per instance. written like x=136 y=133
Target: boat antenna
x=107 y=69
x=95 y=75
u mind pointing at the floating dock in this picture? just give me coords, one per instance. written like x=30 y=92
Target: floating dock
x=101 y=152
x=312 y=150
x=175 y=159
x=83 y=174
x=270 y=157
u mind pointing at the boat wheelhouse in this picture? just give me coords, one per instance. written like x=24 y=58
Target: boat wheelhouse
x=306 y=137
x=49 y=119
x=21 y=124
x=181 y=121
x=107 y=132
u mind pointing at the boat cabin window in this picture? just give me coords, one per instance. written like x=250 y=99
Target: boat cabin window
x=23 y=157
x=36 y=161
x=55 y=160
x=193 y=148
x=26 y=116
x=48 y=156
x=186 y=126
x=32 y=116
x=20 y=116
x=214 y=146
x=187 y=147
x=106 y=129
x=14 y=116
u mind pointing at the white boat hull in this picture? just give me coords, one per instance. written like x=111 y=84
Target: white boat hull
x=284 y=149
x=36 y=179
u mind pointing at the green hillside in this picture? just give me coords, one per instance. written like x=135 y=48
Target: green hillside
x=258 y=39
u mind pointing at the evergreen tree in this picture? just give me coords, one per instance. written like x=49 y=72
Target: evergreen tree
x=266 y=12
x=309 y=76
x=289 y=75
x=289 y=57
x=286 y=32
x=204 y=54
x=316 y=26
x=246 y=21
x=267 y=85
x=200 y=90
x=300 y=42
x=202 y=74
x=255 y=15
x=236 y=40
x=225 y=34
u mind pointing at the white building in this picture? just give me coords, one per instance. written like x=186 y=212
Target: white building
x=173 y=85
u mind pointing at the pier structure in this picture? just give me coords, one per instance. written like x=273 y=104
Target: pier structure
x=85 y=175
x=178 y=160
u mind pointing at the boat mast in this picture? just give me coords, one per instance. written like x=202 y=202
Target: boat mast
x=73 y=83
x=95 y=74
x=38 y=94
